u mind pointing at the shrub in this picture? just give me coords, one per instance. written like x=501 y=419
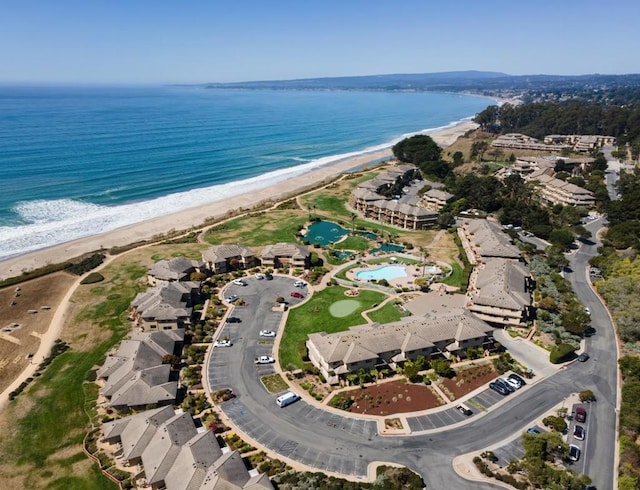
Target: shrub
x=556 y=423
x=560 y=352
x=587 y=396
x=92 y=278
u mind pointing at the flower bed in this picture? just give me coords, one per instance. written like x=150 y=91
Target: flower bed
x=387 y=398
x=468 y=379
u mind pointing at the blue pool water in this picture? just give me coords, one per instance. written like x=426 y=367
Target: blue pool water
x=387 y=272
x=343 y=254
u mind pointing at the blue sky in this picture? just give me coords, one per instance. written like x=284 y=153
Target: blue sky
x=158 y=41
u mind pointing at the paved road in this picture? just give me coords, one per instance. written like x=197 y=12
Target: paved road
x=332 y=442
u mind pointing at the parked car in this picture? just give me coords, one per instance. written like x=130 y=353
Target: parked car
x=267 y=333
x=587 y=310
x=583 y=357
x=581 y=415
x=232 y=298
x=222 y=343
x=513 y=383
x=259 y=276
x=268 y=276
x=296 y=294
x=464 y=410
x=574 y=453
x=239 y=282
x=233 y=319
x=264 y=360
x=506 y=385
x=532 y=430
x=498 y=388
x=518 y=378
x=578 y=432
x=299 y=284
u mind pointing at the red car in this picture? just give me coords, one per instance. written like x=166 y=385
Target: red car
x=581 y=414
x=298 y=295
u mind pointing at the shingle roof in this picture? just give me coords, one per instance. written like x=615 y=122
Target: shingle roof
x=190 y=466
x=173 y=269
x=490 y=240
x=221 y=253
x=501 y=283
x=286 y=250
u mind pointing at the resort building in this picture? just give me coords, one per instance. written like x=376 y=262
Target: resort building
x=286 y=254
x=178 y=269
x=225 y=258
x=557 y=191
x=166 y=306
x=381 y=199
x=581 y=142
x=517 y=141
x=500 y=292
x=166 y=449
x=436 y=199
x=484 y=239
x=135 y=376
x=389 y=345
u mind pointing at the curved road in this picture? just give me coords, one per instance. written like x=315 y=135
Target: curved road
x=332 y=442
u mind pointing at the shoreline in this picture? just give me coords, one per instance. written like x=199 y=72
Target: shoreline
x=197 y=216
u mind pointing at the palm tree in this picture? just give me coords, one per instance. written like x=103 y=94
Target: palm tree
x=353 y=223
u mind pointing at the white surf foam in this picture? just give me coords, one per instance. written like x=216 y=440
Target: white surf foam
x=58 y=221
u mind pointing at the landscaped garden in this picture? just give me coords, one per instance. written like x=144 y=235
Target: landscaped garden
x=329 y=310
x=387 y=398
x=468 y=379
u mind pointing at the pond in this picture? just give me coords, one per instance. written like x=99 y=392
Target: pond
x=388 y=247
x=325 y=233
x=343 y=254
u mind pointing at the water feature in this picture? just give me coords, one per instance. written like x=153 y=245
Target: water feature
x=388 y=247
x=387 y=272
x=325 y=233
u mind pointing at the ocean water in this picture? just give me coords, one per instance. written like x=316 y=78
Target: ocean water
x=77 y=161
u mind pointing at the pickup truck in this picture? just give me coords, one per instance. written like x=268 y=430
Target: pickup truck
x=264 y=360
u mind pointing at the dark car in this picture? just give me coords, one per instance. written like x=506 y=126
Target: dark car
x=268 y=276
x=574 y=453
x=505 y=385
x=464 y=410
x=233 y=319
x=518 y=378
x=581 y=415
x=584 y=357
x=578 y=432
x=532 y=430
x=499 y=388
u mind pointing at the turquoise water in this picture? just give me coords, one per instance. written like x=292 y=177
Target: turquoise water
x=78 y=161
x=387 y=272
x=343 y=254
x=325 y=233
x=388 y=247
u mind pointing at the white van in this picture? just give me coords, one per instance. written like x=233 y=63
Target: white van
x=287 y=399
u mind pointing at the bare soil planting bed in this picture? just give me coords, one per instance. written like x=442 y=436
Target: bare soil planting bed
x=390 y=398
x=469 y=379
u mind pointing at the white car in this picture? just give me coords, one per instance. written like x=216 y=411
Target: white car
x=264 y=360
x=232 y=298
x=259 y=276
x=239 y=282
x=587 y=310
x=512 y=382
x=267 y=333
x=222 y=343
x=299 y=284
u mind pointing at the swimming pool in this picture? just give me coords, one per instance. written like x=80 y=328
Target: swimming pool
x=387 y=272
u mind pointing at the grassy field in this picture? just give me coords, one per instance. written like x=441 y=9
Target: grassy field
x=387 y=314
x=260 y=229
x=314 y=316
x=357 y=243
x=42 y=429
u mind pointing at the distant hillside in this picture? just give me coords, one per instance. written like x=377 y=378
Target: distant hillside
x=408 y=81
x=483 y=82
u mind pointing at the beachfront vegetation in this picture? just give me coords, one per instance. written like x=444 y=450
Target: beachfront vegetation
x=314 y=316
x=42 y=430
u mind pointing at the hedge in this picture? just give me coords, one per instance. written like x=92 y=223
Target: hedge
x=560 y=352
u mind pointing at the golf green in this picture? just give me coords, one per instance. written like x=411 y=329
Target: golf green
x=343 y=308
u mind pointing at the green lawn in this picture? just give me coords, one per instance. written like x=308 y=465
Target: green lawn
x=387 y=314
x=314 y=316
x=51 y=418
x=458 y=278
x=357 y=243
x=260 y=229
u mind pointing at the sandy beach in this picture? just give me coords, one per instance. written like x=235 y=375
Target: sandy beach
x=198 y=215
